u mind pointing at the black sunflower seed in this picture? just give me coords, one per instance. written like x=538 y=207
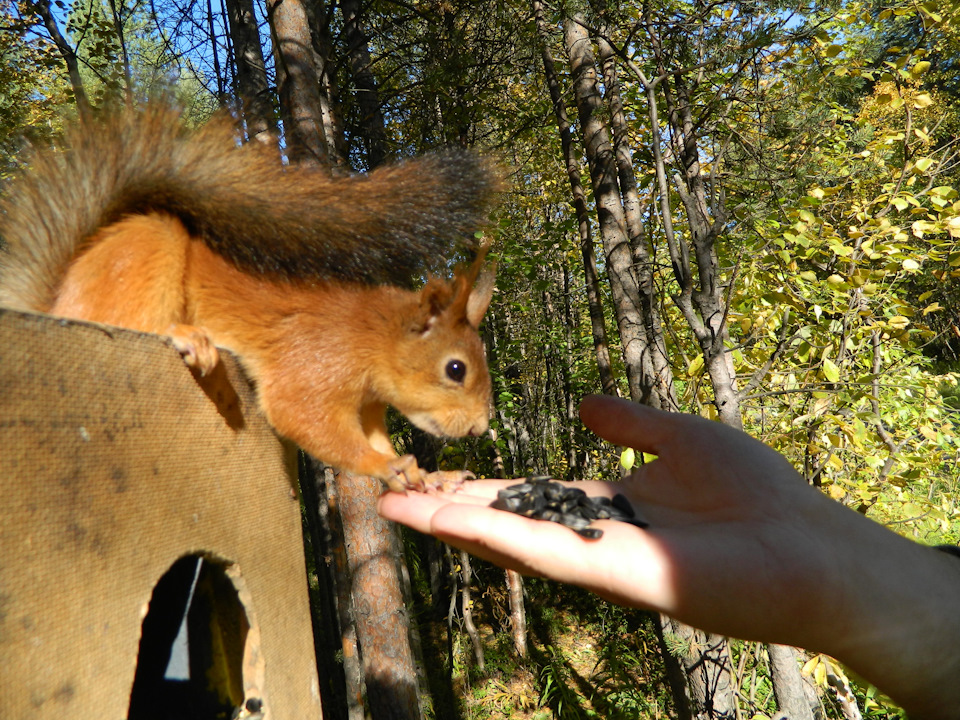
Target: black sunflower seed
x=540 y=498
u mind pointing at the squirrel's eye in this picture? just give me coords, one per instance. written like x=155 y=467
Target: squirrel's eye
x=456 y=370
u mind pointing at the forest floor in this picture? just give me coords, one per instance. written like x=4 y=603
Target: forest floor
x=585 y=659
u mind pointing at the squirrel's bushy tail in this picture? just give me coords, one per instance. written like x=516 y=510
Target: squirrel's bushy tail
x=291 y=222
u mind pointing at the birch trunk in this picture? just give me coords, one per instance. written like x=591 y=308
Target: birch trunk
x=608 y=383
x=613 y=228
x=298 y=83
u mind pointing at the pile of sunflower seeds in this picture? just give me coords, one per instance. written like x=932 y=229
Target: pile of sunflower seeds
x=542 y=499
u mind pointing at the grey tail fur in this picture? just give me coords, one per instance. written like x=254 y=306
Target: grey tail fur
x=289 y=222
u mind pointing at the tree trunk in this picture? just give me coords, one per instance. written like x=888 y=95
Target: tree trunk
x=608 y=383
x=253 y=88
x=791 y=695
x=466 y=608
x=379 y=609
x=298 y=83
x=574 y=470
x=518 y=612
x=341 y=683
x=705 y=658
x=702 y=299
x=663 y=396
x=613 y=230
x=319 y=15
x=372 y=127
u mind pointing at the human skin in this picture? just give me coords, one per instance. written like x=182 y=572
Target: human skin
x=738 y=544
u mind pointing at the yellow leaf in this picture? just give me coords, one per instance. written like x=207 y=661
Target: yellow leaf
x=920 y=68
x=830 y=370
x=928 y=432
x=911 y=265
x=695 y=366
x=628 y=458
x=953 y=227
x=923 y=164
x=820 y=674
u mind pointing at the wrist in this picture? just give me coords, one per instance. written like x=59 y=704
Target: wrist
x=899 y=625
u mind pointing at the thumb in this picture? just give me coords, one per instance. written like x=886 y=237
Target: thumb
x=637 y=426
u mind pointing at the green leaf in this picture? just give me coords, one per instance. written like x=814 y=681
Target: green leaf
x=628 y=458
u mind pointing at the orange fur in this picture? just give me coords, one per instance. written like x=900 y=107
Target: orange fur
x=327 y=358
x=143 y=223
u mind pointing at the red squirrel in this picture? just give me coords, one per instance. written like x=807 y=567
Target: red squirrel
x=141 y=223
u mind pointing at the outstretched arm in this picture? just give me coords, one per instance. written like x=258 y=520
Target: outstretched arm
x=738 y=544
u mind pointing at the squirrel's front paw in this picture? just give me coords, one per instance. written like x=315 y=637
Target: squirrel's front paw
x=406 y=475
x=195 y=347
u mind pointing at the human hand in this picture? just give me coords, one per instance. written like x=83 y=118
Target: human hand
x=729 y=519
x=738 y=544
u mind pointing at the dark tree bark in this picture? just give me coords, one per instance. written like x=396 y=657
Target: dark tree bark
x=569 y=401
x=341 y=683
x=372 y=127
x=253 y=88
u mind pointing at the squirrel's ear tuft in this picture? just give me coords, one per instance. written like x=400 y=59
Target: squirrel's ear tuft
x=474 y=288
x=481 y=294
x=435 y=299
